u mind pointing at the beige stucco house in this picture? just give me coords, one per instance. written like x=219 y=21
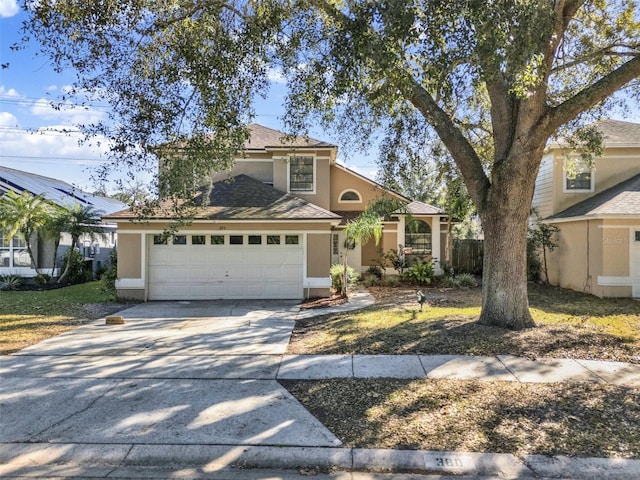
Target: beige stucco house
x=271 y=228
x=598 y=213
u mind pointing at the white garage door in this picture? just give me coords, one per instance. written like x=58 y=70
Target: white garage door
x=213 y=266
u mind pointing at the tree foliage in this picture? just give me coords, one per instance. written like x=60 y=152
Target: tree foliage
x=493 y=80
x=24 y=215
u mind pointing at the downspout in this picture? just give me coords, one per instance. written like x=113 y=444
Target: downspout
x=587 y=283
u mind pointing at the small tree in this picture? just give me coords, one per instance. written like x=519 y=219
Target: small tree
x=544 y=238
x=81 y=220
x=360 y=231
x=24 y=215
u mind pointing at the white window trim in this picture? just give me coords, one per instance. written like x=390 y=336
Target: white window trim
x=315 y=175
x=582 y=190
x=349 y=201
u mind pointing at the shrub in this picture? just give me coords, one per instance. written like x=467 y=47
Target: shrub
x=421 y=272
x=109 y=276
x=10 y=282
x=42 y=279
x=466 y=280
x=398 y=260
x=78 y=273
x=448 y=282
x=374 y=271
x=534 y=266
x=392 y=281
x=337 y=273
x=371 y=281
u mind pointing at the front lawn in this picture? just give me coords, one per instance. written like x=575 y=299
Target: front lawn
x=575 y=419
x=28 y=317
x=570 y=325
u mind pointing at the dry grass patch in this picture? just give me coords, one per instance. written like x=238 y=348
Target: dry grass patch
x=576 y=419
x=28 y=317
x=570 y=325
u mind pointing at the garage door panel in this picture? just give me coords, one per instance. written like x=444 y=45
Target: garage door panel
x=178 y=272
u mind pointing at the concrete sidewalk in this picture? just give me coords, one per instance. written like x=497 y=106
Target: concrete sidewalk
x=189 y=390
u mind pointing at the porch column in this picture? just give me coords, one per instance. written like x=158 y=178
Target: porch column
x=435 y=244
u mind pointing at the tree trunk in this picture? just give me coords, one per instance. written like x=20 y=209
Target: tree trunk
x=504 y=282
x=67 y=266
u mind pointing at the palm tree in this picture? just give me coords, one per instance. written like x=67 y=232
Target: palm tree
x=81 y=220
x=25 y=215
x=369 y=224
x=53 y=230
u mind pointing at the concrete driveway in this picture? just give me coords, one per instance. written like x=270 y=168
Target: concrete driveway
x=180 y=373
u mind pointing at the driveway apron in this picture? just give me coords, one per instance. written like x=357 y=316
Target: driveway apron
x=174 y=373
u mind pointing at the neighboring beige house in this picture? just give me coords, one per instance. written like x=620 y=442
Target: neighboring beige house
x=271 y=229
x=598 y=213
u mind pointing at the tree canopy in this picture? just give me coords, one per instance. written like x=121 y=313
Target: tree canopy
x=494 y=80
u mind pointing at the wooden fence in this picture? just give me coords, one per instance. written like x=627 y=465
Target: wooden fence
x=467 y=256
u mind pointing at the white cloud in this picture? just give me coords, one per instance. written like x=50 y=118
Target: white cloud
x=275 y=75
x=8 y=120
x=8 y=8
x=67 y=113
x=8 y=93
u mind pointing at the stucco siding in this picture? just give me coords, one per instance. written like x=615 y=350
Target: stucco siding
x=129 y=255
x=260 y=170
x=567 y=265
x=342 y=180
x=612 y=168
x=318 y=255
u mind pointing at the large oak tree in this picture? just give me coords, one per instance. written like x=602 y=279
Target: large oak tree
x=495 y=79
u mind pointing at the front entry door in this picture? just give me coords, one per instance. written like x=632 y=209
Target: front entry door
x=354 y=256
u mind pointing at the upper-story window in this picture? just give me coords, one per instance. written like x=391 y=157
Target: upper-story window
x=350 y=196
x=301 y=174
x=578 y=177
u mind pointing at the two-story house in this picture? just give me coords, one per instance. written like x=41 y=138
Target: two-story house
x=597 y=211
x=271 y=228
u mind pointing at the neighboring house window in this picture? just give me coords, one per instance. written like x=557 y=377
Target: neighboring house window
x=580 y=179
x=350 y=196
x=417 y=237
x=13 y=252
x=301 y=174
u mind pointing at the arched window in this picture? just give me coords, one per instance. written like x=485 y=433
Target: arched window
x=417 y=237
x=350 y=196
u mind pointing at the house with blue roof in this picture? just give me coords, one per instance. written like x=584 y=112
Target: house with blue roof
x=14 y=259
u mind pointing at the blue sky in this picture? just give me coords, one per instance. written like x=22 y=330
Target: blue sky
x=30 y=136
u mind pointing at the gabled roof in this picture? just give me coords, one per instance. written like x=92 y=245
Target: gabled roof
x=421 y=208
x=261 y=137
x=620 y=200
x=244 y=198
x=618 y=133
x=56 y=191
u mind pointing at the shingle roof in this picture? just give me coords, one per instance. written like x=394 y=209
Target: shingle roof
x=244 y=198
x=262 y=137
x=621 y=199
x=56 y=191
x=617 y=132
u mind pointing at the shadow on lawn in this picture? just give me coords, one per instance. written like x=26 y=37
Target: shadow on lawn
x=458 y=335
x=583 y=419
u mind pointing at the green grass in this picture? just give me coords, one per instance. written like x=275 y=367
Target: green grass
x=569 y=324
x=27 y=317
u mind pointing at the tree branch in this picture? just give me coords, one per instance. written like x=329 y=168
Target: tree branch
x=461 y=150
x=557 y=116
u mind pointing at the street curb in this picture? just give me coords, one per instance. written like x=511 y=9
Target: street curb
x=23 y=459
